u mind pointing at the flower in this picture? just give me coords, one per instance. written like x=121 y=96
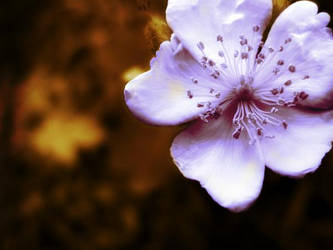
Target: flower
x=256 y=103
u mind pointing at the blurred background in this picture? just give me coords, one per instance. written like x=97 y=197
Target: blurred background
x=78 y=171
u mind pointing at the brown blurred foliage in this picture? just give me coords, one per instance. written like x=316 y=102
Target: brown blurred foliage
x=78 y=171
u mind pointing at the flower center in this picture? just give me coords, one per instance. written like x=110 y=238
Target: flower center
x=244 y=74
x=244 y=93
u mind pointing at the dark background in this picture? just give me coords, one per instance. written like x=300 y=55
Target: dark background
x=78 y=171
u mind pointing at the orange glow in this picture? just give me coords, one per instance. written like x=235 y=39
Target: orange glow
x=62 y=135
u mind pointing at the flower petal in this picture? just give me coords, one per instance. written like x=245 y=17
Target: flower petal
x=195 y=21
x=230 y=170
x=303 y=55
x=170 y=92
x=299 y=149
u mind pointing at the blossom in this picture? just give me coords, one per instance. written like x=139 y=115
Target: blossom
x=255 y=103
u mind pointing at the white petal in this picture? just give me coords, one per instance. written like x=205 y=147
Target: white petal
x=310 y=52
x=299 y=149
x=230 y=170
x=161 y=95
x=196 y=21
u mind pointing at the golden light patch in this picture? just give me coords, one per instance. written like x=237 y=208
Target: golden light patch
x=280 y=5
x=61 y=136
x=131 y=73
x=157 y=31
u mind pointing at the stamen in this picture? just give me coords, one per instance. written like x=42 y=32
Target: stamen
x=288 y=83
x=274 y=91
x=219 y=38
x=280 y=62
x=236 y=134
x=281 y=90
x=256 y=28
x=201 y=46
x=292 y=68
x=288 y=40
x=243 y=42
x=195 y=81
x=303 y=95
x=244 y=55
x=189 y=94
x=259 y=132
x=238 y=67
x=211 y=63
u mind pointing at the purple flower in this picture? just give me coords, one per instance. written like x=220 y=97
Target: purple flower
x=256 y=103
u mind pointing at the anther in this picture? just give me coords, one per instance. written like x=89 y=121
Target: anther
x=211 y=91
x=195 y=81
x=288 y=40
x=280 y=62
x=285 y=125
x=256 y=28
x=303 y=95
x=237 y=133
x=200 y=105
x=189 y=94
x=292 y=68
x=211 y=63
x=243 y=42
x=215 y=75
x=288 y=83
x=261 y=56
x=271 y=50
x=281 y=90
x=245 y=55
x=259 y=131
x=306 y=77
x=276 y=71
x=218 y=95
x=219 y=38
x=281 y=49
x=221 y=54
x=274 y=91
